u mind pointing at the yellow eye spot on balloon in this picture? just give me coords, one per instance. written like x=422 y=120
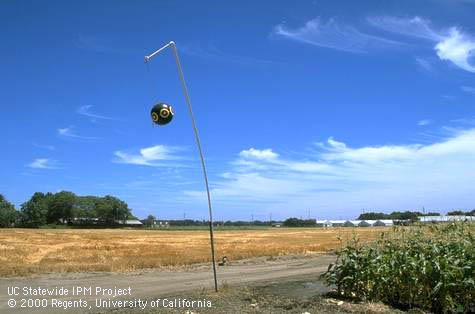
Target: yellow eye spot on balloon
x=164 y=113
x=155 y=116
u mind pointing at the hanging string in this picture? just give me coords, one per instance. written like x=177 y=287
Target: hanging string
x=149 y=73
x=147 y=66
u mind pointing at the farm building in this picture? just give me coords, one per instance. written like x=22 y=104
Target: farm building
x=323 y=223
x=330 y=223
x=337 y=223
x=365 y=223
x=130 y=222
x=82 y=221
x=351 y=223
x=445 y=218
x=355 y=223
x=462 y=218
x=383 y=223
x=155 y=223
x=163 y=224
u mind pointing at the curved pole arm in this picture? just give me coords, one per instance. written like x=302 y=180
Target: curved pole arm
x=149 y=57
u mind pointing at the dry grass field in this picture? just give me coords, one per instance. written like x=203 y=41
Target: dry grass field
x=33 y=251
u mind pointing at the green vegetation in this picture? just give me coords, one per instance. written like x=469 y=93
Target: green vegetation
x=407 y=215
x=461 y=213
x=64 y=208
x=295 y=222
x=8 y=214
x=150 y=220
x=204 y=224
x=428 y=267
x=216 y=227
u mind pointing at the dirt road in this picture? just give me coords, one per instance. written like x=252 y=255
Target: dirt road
x=145 y=284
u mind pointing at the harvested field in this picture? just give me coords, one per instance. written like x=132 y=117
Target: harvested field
x=31 y=251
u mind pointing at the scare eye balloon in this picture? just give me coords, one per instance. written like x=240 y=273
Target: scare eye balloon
x=161 y=113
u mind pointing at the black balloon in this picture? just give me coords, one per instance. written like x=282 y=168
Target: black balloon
x=161 y=113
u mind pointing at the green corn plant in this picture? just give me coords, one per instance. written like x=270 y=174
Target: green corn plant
x=428 y=267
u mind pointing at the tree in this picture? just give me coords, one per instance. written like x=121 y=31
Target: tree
x=35 y=211
x=373 y=216
x=456 y=213
x=150 y=220
x=8 y=214
x=65 y=206
x=60 y=207
x=110 y=209
x=85 y=207
x=295 y=222
x=407 y=215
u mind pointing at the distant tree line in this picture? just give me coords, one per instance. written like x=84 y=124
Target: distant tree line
x=290 y=222
x=248 y=223
x=238 y=223
x=461 y=213
x=295 y=222
x=65 y=208
x=406 y=215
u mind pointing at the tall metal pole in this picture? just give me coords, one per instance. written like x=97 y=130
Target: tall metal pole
x=198 y=143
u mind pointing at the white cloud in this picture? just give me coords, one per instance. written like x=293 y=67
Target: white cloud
x=86 y=111
x=370 y=154
x=71 y=133
x=335 y=145
x=338 y=180
x=42 y=163
x=148 y=156
x=335 y=36
x=266 y=159
x=264 y=154
x=457 y=48
x=414 y=27
x=424 y=122
x=451 y=44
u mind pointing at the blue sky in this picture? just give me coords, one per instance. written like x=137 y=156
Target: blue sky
x=323 y=106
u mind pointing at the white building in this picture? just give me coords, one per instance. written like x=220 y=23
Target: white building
x=445 y=218
x=355 y=223
x=330 y=223
x=383 y=223
x=366 y=223
x=352 y=223
x=130 y=222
